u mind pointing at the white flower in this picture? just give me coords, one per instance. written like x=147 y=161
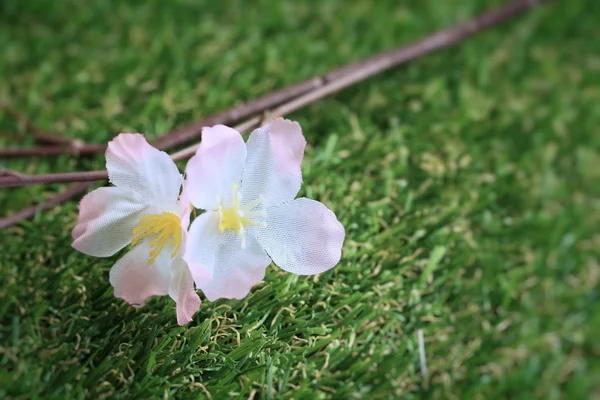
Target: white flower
x=251 y=216
x=142 y=209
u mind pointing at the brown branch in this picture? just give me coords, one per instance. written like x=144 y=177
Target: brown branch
x=327 y=85
x=304 y=93
x=78 y=149
x=360 y=70
x=14 y=178
x=24 y=180
x=384 y=60
x=73 y=191
x=238 y=113
x=54 y=138
x=10 y=172
x=185 y=133
x=19 y=117
x=78 y=188
x=40 y=136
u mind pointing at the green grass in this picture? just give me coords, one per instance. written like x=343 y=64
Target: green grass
x=468 y=182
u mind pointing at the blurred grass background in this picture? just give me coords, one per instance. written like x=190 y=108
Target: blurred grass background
x=468 y=183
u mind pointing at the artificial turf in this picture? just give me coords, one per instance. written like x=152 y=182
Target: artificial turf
x=467 y=181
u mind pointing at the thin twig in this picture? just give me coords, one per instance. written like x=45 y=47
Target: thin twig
x=237 y=113
x=340 y=79
x=11 y=180
x=189 y=132
x=300 y=95
x=78 y=188
x=41 y=137
x=384 y=60
x=360 y=70
x=19 y=117
x=10 y=172
x=49 y=138
x=73 y=191
x=77 y=148
x=318 y=87
x=63 y=177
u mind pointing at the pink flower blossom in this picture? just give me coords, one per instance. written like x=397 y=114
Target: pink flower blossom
x=252 y=217
x=142 y=209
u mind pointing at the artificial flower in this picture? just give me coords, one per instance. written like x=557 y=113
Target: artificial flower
x=142 y=209
x=252 y=217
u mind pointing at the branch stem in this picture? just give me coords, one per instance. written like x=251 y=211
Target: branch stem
x=281 y=102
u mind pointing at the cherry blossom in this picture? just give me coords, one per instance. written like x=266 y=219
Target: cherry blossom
x=143 y=209
x=251 y=215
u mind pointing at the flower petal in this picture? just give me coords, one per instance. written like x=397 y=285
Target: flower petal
x=185 y=208
x=272 y=167
x=135 y=166
x=232 y=269
x=302 y=237
x=135 y=280
x=181 y=289
x=202 y=240
x=235 y=270
x=106 y=219
x=217 y=164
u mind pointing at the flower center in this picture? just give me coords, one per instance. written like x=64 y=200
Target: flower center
x=166 y=228
x=237 y=217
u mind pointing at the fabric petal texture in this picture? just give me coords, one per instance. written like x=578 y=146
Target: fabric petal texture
x=133 y=165
x=145 y=209
x=230 y=246
x=106 y=219
x=302 y=237
x=181 y=290
x=231 y=269
x=235 y=269
x=217 y=164
x=251 y=218
x=185 y=208
x=203 y=239
x=272 y=167
x=135 y=280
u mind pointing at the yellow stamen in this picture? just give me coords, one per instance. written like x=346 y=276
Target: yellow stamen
x=166 y=227
x=236 y=217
